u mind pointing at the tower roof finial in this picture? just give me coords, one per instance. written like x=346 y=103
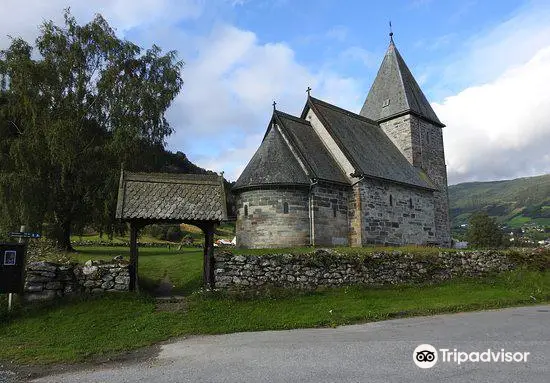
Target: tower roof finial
x=274 y=105
x=391 y=34
x=308 y=91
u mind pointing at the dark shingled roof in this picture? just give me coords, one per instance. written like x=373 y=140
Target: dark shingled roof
x=311 y=149
x=171 y=197
x=272 y=164
x=366 y=146
x=395 y=92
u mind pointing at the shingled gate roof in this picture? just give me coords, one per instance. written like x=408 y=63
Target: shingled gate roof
x=395 y=92
x=272 y=164
x=366 y=146
x=171 y=197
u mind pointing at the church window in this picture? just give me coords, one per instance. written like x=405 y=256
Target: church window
x=334 y=209
x=428 y=137
x=246 y=210
x=410 y=203
x=285 y=208
x=391 y=200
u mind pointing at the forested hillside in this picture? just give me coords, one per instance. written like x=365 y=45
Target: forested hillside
x=514 y=203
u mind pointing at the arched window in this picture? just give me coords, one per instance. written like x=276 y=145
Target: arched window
x=410 y=203
x=246 y=210
x=391 y=200
x=285 y=208
x=334 y=209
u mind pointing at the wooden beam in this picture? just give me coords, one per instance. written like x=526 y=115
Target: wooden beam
x=133 y=267
x=208 y=264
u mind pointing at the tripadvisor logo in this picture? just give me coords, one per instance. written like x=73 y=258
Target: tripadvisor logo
x=426 y=356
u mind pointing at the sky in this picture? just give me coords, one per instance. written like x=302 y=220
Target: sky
x=484 y=66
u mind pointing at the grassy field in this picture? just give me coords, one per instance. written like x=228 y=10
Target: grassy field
x=98 y=327
x=225 y=231
x=183 y=267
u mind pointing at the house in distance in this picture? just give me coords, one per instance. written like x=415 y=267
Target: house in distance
x=333 y=177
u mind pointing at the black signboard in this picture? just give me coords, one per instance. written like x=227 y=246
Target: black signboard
x=12 y=267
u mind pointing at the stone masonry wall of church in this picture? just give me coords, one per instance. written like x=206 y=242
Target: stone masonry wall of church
x=422 y=144
x=396 y=215
x=267 y=225
x=330 y=214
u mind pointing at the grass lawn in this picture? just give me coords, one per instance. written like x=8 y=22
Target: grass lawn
x=183 y=267
x=518 y=221
x=225 y=231
x=116 y=239
x=75 y=330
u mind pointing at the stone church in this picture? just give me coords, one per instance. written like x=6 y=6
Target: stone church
x=332 y=177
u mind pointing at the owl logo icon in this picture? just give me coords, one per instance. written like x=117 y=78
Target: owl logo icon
x=425 y=356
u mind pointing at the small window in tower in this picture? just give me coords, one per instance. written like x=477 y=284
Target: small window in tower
x=334 y=209
x=246 y=210
x=391 y=200
x=428 y=137
x=285 y=208
x=410 y=203
x=386 y=103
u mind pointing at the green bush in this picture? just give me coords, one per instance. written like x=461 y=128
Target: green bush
x=174 y=234
x=483 y=232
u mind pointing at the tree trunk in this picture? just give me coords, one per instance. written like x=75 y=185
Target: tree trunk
x=64 y=237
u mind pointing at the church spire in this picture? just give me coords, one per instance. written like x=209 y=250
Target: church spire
x=395 y=92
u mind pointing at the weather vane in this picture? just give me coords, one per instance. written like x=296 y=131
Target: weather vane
x=391 y=33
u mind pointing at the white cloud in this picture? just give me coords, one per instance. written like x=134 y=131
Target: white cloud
x=22 y=18
x=233 y=159
x=338 y=33
x=497 y=127
x=500 y=129
x=498 y=124
x=487 y=54
x=359 y=54
x=230 y=85
x=230 y=78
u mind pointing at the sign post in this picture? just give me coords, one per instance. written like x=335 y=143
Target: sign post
x=10 y=295
x=12 y=265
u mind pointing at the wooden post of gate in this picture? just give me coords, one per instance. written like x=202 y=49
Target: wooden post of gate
x=133 y=267
x=208 y=262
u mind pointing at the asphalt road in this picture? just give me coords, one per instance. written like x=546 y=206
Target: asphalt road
x=373 y=352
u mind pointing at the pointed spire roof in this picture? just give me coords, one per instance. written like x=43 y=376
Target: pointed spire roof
x=395 y=92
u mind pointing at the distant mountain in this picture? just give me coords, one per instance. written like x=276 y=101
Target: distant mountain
x=514 y=203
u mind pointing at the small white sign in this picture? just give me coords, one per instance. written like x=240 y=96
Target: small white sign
x=10 y=256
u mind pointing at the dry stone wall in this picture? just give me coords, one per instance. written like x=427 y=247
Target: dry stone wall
x=328 y=268
x=46 y=280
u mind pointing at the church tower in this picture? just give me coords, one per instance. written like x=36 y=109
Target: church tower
x=398 y=104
